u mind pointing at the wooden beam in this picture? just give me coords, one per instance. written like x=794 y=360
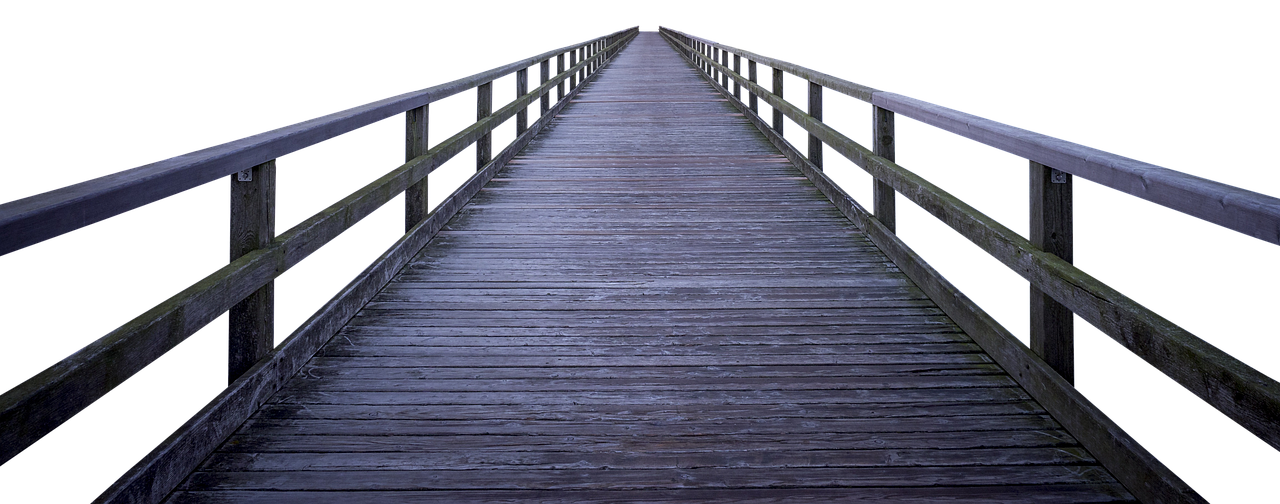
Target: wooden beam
x=416 y=206
x=544 y=74
x=251 y=322
x=484 y=107
x=753 y=102
x=882 y=195
x=1052 y=326
x=815 y=111
x=777 y=91
x=573 y=62
x=737 y=68
x=522 y=88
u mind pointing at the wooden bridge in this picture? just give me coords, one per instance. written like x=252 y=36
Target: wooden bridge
x=648 y=296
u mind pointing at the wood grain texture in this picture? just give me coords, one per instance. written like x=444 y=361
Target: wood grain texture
x=884 y=199
x=416 y=206
x=593 y=326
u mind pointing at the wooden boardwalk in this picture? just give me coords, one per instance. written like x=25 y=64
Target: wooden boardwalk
x=650 y=304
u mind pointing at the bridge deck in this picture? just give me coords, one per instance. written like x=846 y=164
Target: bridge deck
x=650 y=304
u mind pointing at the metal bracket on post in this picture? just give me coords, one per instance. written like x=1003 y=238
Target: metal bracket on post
x=1057 y=176
x=245 y=176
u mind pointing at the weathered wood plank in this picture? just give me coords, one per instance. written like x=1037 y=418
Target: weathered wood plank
x=636 y=479
x=541 y=460
x=416 y=206
x=795 y=441
x=1051 y=494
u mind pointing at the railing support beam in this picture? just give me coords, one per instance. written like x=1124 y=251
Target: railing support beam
x=815 y=111
x=777 y=91
x=752 y=102
x=1052 y=324
x=416 y=207
x=882 y=195
x=484 y=107
x=522 y=88
x=737 y=68
x=544 y=75
x=251 y=322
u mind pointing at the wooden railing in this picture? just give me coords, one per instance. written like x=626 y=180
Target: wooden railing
x=1059 y=289
x=258 y=255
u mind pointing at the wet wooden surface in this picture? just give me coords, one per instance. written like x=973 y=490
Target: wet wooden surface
x=650 y=304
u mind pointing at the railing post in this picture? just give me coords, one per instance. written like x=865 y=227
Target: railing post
x=737 y=68
x=415 y=144
x=724 y=76
x=544 y=74
x=715 y=72
x=563 y=85
x=582 y=56
x=815 y=111
x=559 y=70
x=753 y=102
x=484 y=107
x=882 y=195
x=573 y=77
x=1052 y=325
x=251 y=322
x=522 y=88
x=777 y=91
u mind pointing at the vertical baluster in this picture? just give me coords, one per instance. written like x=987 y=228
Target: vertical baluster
x=715 y=56
x=573 y=77
x=724 y=76
x=559 y=70
x=582 y=56
x=522 y=88
x=737 y=68
x=484 y=107
x=753 y=102
x=815 y=111
x=251 y=323
x=415 y=144
x=1052 y=325
x=882 y=195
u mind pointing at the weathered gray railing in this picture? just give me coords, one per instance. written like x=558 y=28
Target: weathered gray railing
x=244 y=287
x=1059 y=289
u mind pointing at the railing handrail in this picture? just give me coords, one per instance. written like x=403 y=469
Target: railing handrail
x=1248 y=212
x=36 y=218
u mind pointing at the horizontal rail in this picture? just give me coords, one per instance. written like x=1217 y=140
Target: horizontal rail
x=37 y=218
x=1248 y=212
x=1244 y=394
x=45 y=401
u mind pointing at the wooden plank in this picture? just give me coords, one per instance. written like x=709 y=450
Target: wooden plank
x=637 y=479
x=37 y=218
x=1056 y=494
x=796 y=441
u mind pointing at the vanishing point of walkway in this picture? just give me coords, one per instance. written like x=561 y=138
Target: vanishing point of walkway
x=650 y=304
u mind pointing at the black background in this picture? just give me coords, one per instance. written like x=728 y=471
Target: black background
x=1175 y=90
